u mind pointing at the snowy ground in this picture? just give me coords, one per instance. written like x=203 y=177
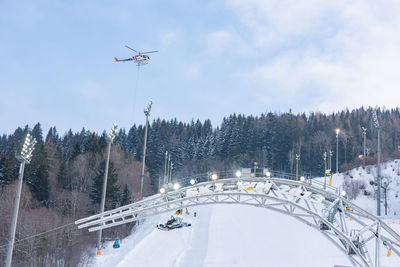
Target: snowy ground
x=360 y=177
x=228 y=235
x=235 y=235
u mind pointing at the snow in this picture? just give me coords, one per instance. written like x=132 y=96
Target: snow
x=227 y=235
x=390 y=172
x=250 y=236
x=239 y=235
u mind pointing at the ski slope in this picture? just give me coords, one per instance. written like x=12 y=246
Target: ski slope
x=227 y=235
x=238 y=235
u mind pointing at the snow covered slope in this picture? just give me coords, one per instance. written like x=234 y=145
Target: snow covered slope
x=234 y=235
x=356 y=183
x=227 y=235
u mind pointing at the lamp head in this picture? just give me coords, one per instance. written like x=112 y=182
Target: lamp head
x=176 y=186
x=113 y=132
x=147 y=111
x=27 y=149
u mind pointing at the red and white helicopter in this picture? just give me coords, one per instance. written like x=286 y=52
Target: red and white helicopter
x=140 y=58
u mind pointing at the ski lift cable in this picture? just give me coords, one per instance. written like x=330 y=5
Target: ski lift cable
x=38 y=235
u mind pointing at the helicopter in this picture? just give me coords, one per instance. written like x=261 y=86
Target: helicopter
x=140 y=58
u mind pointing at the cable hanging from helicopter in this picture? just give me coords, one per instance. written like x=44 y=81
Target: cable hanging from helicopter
x=140 y=59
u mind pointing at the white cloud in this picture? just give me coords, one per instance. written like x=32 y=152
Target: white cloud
x=330 y=54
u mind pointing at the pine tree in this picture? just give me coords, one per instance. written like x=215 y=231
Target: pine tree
x=125 y=196
x=2 y=168
x=53 y=136
x=37 y=132
x=112 y=192
x=62 y=176
x=76 y=151
x=10 y=167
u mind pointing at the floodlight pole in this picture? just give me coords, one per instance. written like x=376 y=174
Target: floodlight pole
x=170 y=172
x=165 y=167
x=325 y=170
x=379 y=173
x=168 y=167
x=378 y=179
x=24 y=158
x=15 y=215
x=147 y=113
x=337 y=150
x=297 y=165
x=365 y=144
x=103 y=192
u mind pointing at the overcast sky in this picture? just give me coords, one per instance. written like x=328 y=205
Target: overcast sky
x=215 y=58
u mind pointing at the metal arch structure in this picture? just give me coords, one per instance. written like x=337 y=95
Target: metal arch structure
x=350 y=228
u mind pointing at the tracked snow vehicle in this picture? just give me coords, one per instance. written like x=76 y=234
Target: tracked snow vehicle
x=173 y=223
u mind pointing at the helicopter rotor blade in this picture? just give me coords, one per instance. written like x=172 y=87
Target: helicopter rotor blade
x=132 y=49
x=148 y=52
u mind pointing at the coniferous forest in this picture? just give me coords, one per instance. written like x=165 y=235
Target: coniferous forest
x=64 y=179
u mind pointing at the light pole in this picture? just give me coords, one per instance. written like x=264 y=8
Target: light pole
x=365 y=144
x=147 y=113
x=168 y=167
x=297 y=166
x=165 y=166
x=255 y=168
x=330 y=166
x=325 y=170
x=385 y=187
x=378 y=179
x=103 y=192
x=170 y=171
x=24 y=158
x=165 y=169
x=337 y=150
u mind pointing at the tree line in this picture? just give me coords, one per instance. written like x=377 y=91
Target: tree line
x=65 y=175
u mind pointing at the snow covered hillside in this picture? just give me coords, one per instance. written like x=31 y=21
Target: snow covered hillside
x=359 y=190
x=236 y=235
x=226 y=235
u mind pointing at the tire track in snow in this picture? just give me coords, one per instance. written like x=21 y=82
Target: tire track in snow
x=196 y=251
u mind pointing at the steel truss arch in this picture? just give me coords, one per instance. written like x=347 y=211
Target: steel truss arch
x=327 y=212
